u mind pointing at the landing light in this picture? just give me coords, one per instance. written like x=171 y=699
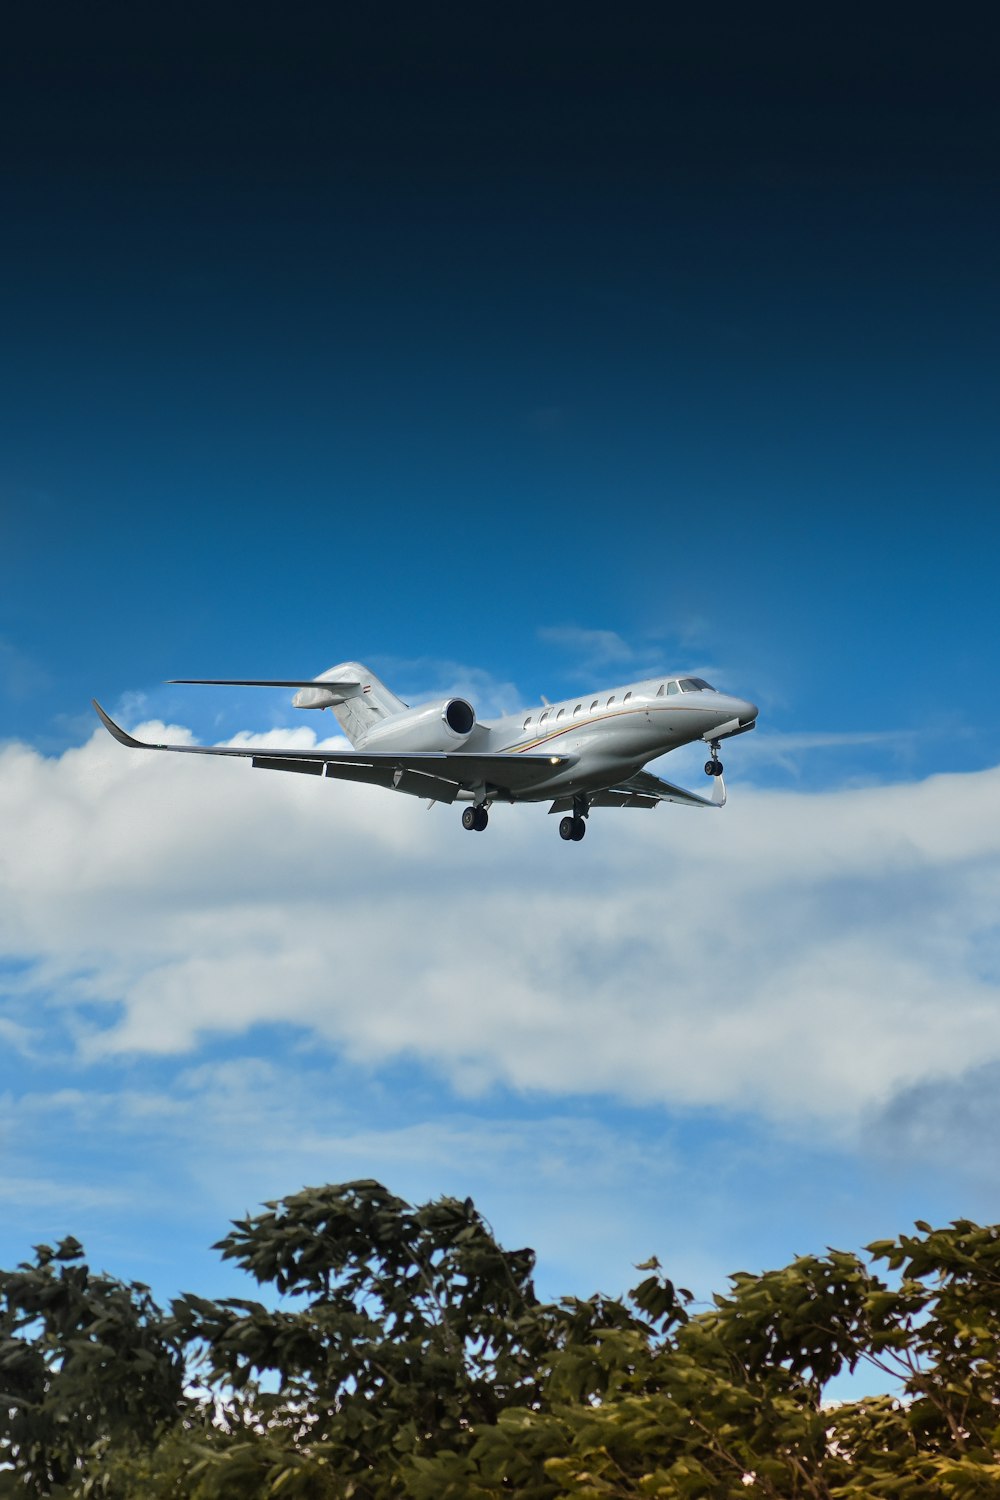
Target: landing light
x=554 y=760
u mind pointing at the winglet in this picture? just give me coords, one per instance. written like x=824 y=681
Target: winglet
x=118 y=732
x=718 y=798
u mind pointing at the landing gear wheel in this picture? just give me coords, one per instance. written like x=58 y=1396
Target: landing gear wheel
x=579 y=829
x=470 y=818
x=567 y=828
x=713 y=768
x=482 y=818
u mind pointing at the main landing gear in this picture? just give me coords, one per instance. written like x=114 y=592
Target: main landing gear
x=572 y=829
x=713 y=767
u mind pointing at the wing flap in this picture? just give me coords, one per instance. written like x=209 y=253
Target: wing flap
x=606 y=799
x=310 y=767
x=396 y=778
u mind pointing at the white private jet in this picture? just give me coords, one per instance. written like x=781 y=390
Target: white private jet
x=585 y=752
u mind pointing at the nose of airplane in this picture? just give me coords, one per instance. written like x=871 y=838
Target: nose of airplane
x=747 y=712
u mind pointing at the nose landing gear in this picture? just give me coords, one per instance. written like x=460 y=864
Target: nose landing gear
x=713 y=767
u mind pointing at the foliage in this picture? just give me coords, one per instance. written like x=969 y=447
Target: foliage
x=408 y=1356
x=410 y=1331
x=87 y=1364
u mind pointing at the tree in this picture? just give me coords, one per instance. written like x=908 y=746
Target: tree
x=409 y=1356
x=731 y=1402
x=413 y=1329
x=87 y=1364
x=938 y=1331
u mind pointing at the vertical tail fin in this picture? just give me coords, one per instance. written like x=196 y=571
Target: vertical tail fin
x=360 y=704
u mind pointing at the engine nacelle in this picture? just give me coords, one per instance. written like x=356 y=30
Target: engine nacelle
x=445 y=725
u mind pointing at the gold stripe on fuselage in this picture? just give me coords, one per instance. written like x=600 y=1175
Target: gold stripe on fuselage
x=581 y=723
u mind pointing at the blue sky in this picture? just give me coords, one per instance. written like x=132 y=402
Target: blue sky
x=517 y=354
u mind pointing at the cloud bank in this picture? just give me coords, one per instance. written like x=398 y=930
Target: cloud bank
x=810 y=958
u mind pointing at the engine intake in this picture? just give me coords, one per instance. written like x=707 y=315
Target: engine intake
x=460 y=716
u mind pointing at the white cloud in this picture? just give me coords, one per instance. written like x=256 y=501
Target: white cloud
x=801 y=956
x=302 y=738
x=596 y=648
x=16 y=1037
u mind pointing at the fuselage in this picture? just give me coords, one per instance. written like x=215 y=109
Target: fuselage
x=615 y=732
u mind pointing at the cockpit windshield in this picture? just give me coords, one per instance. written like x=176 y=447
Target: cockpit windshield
x=695 y=685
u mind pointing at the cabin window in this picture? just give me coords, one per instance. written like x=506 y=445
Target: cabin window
x=672 y=688
x=543 y=717
x=526 y=722
x=578 y=709
x=611 y=700
x=593 y=706
x=626 y=697
x=560 y=713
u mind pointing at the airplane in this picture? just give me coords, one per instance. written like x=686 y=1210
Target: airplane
x=587 y=751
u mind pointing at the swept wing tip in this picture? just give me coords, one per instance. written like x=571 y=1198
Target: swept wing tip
x=115 y=729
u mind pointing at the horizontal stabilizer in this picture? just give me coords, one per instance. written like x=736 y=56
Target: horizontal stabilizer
x=283 y=682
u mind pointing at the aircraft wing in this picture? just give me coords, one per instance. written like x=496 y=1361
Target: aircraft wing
x=440 y=775
x=646 y=790
x=644 y=784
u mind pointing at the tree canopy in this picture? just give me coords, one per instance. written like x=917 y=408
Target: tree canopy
x=403 y=1352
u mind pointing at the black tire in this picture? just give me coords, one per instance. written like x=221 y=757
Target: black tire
x=482 y=818
x=470 y=818
x=566 y=828
x=579 y=829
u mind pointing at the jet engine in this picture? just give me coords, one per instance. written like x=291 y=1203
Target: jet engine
x=445 y=725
